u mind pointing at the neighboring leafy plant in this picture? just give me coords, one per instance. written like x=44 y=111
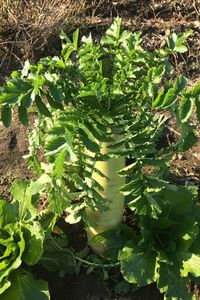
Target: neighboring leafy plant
x=56 y=256
x=21 y=241
x=167 y=247
x=24 y=286
x=103 y=108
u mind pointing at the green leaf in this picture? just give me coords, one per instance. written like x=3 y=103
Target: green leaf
x=69 y=145
x=186 y=108
x=56 y=92
x=181 y=201
x=66 y=51
x=155 y=74
x=156 y=209
x=26 y=99
x=67 y=46
x=12 y=245
x=9 y=98
x=137 y=266
x=123 y=287
x=197 y=103
x=113 y=33
x=196 y=90
x=175 y=42
x=6 y=115
x=180 y=84
x=183 y=36
x=40 y=184
x=187 y=138
x=56 y=258
x=172 y=93
x=57 y=130
x=63 y=36
x=169 y=282
x=9 y=212
x=170 y=98
x=48 y=221
x=39 y=81
x=22 y=112
x=74 y=212
x=132 y=186
x=59 y=165
x=42 y=107
x=192 y=265
x=180 y=49
x=4 y=285
x=54 y=104
x=34 y=237
x=21 y=191
x=58 y=202
x=88 y=139
x=154 y=181
x=26 y=68
x=75 y=39
x=159 y=99
x=111 y=240
x=98 y=134
x=55 y=144
x=24 y=287
x=128 y=169
x=172 y=41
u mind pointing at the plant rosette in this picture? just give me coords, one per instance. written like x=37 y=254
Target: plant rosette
x=21 y=241
x=167 y=248
x=12 y=246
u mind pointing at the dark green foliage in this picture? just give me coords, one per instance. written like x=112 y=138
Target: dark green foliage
x=165 y=251
x=6 y=115
x=24 y=286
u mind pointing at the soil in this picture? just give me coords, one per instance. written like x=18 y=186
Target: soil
x=154 y=19
x=13 y=146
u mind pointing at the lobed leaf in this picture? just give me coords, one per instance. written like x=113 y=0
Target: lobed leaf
x=23 y=117
x=6 y=115
x=186 y=108
x=191 y=265
x=24 y=287
x=88 y=139
x=137 y=266
x=21 y=191
x=42 y=107
x=34 y=238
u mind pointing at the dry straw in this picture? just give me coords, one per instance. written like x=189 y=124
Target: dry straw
x=28 y=26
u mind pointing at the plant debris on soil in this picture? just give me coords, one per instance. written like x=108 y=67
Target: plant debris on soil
x=29 y=30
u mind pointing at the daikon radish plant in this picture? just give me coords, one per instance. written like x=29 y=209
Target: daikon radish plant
x=102 y=110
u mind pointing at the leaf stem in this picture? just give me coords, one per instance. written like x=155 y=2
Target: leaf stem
x=83 y=260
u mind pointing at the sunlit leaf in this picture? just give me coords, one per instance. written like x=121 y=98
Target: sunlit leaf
x=137 y=266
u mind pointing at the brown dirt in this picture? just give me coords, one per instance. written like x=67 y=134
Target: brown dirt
x=155 y=19
x=13 y=146
x=28 y=28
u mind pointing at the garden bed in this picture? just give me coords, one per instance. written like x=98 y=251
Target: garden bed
x=154 y=20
